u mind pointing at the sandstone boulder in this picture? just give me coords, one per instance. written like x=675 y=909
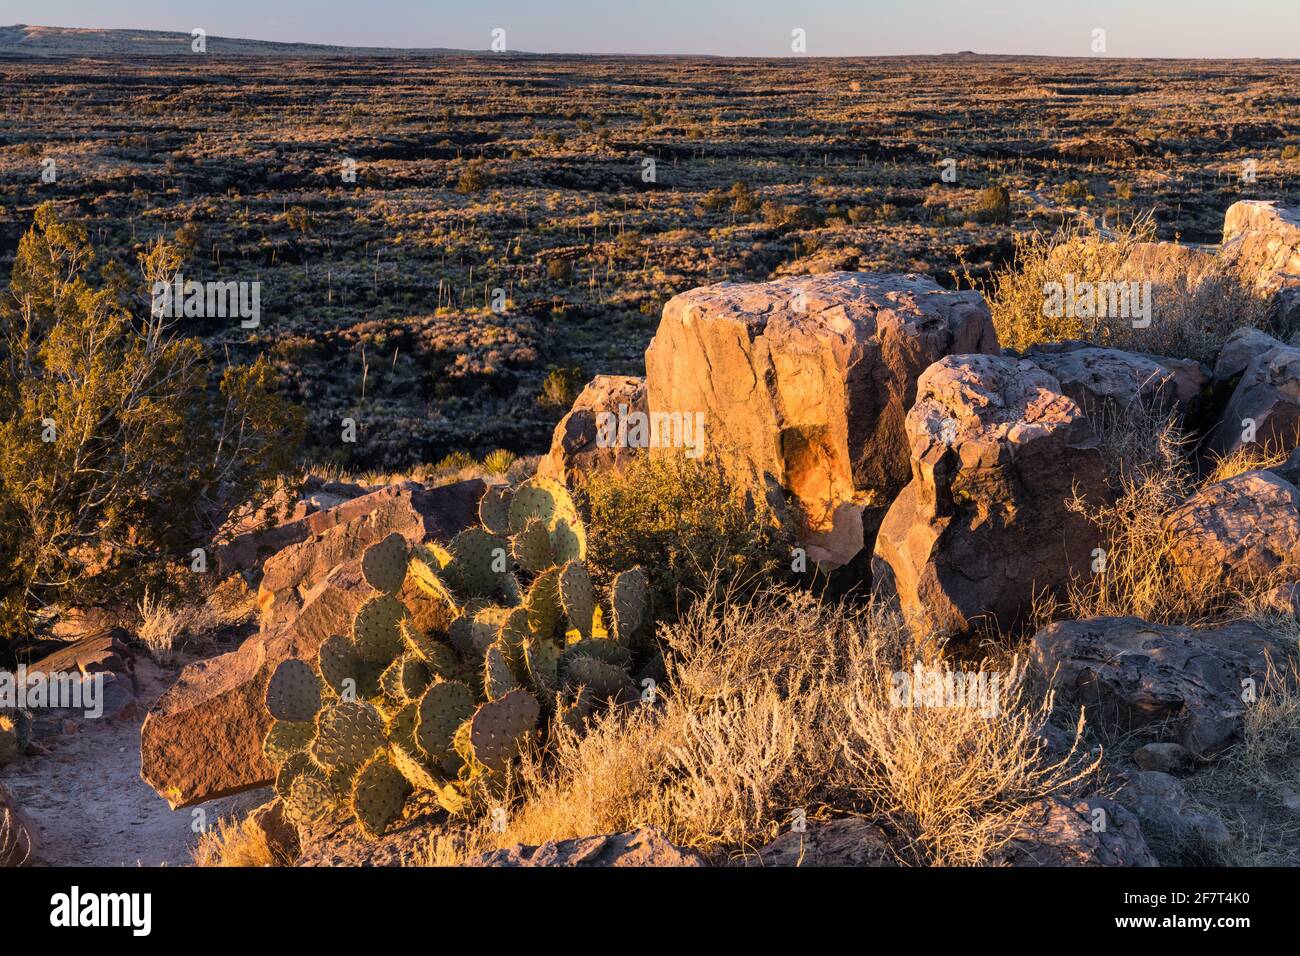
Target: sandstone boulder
x=1264 y=410
x=1098 y=378
x=847 y=842
x=1243 y=530
x=417 y=513
x=586 y=441
x=441 y=511
x=1095 y=831
x=1186 y=683
x=1242 y=347
x=203 y=738
x=1261 y=242
x=983 y=527
x=803 y=384
x=644 y=847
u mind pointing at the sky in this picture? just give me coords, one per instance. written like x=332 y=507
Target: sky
x=1156 y=28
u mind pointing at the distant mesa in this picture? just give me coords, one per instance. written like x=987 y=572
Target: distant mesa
x=21 y=40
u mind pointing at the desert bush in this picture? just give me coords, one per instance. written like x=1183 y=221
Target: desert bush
x=1140 y=576
x=117 y=448
x=1191 y=315
x=994 y=204
x=559 y=270
x=783 y=703
x=473 y=177
x=236 y=843
x=681 y=518
x=560 y=387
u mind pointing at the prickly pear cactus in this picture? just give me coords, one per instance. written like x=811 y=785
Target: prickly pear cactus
x=389 y=710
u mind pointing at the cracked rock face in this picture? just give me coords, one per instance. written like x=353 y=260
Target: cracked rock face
x=1264 y=411
x=1244 y=529
x=600 y=432
x=1189 y=683
x=1261 y=241
x=997 y=451
x=804 y=384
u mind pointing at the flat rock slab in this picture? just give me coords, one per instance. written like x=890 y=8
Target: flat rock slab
x=1130 y=674
x=446 y=509
x=644 y=847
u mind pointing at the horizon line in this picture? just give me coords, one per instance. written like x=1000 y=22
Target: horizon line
x=471 y=51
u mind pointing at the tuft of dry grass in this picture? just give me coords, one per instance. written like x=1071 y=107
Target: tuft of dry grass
x=1193 y=311
x=235 y=842
x=783 y=703
x=167 y=623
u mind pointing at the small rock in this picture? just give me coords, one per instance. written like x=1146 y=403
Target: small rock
x=848 y=842
x=1175 y=829
x=1090 y=832
x=1166 y=757
x=644 y=847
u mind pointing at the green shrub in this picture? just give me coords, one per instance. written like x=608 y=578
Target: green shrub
x=681 y=519
x=560 y=387
x=121 y=446
x=473 y=178
x=498 y=462
x=994 y=204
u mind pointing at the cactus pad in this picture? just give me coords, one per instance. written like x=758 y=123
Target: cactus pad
x=578 y=597
x=347 y=735
x=337 y=661
x=485 y=626
x=531 y=547
x=480 y=560
x=542 y=498
x=378 y=794
x=432 y=575
x=293 y=693
x=443 y=708
x=568 y=541
x=543 y=603
x=500 y=727
x=629 y=599
x=286 y=738
x=410 y=764
x=602 y=679
x=375 y=629
x=308 y=800
x=293 y=766
x=542 y=659
x=384 y=564
x=494 y=509
x=498 y=680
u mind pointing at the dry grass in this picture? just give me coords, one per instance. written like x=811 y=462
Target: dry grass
x=783 y=704
x=1191 y=314
x=168 y=622
x=1246 y=458
x=1151 y=477
x=236 y=843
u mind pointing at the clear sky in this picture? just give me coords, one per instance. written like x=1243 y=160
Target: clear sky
x=1174 y=28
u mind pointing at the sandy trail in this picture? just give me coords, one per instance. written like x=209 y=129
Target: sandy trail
x=88 y=800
